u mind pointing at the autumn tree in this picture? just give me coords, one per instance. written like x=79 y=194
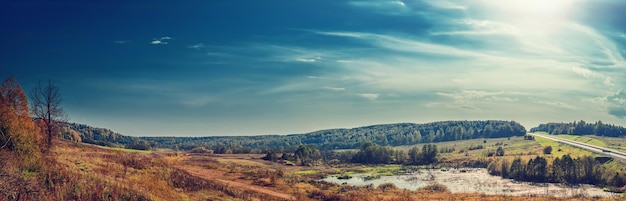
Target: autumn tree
x=18 y=133
x=46 y=107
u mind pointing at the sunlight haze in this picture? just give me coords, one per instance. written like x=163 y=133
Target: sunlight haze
x=207 y=68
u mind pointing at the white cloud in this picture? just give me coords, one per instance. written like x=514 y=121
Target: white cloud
x=369 y=96
x=582 y=71
x=197 y=46
x=387 y=7
x=121 y=41
x=407 y=45
x=557 y=104
x=607 y=82
x=479 y=27
x=160 y=41
x=471 y=96
x=444 y=4
x=197 y=101
x=335 y=88
x=306 y=60
x=378 y=4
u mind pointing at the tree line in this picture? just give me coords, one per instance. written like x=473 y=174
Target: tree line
x=567 y=170
x=332 y=139
x=582 y=128
x=368 y=153
x=101 y=136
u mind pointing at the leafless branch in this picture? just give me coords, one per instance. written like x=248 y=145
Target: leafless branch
x=6 y=141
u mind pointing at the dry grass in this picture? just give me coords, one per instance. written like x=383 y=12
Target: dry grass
x=78 y=172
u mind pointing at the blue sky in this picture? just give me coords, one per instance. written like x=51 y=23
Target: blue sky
x=196 y=68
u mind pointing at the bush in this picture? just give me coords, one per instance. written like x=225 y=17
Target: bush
x=387 y=186
x=139 y=146
x=500 y=151
x=547 y=150
x=435 y=187
x=200 y=150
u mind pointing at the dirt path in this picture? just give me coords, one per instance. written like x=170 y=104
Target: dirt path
x=215 y=175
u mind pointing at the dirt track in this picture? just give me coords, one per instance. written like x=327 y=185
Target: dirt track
x=216 y=175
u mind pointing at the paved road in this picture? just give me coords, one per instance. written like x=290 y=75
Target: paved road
x=596 y=149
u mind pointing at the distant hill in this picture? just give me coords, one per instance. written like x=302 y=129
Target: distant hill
x=384 y=134
x=582 y=128
x=99 y=136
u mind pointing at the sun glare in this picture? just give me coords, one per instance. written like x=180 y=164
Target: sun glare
x=535 y=9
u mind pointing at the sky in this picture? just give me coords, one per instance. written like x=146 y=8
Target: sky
x=247 y=67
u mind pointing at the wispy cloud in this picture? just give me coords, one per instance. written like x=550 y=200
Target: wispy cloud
x=335 y=88
x=558 y=104
x=382 y=4
x=161 y=41
x=617 y=104
x=197 y=101
x=403 y=44
x=478 y=27
x=445 y=4
x=369 y=96
x=121 y=41
x=197 y=46
x=582 y=71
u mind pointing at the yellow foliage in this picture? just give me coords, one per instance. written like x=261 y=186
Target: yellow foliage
x=18 y=132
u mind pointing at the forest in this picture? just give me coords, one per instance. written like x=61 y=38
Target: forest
x=332 y=139
x=101 y=136
x=368 y=153
x=567 y=170
x=581 y=128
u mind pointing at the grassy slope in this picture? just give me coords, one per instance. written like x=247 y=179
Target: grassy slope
x=513 y=147
x=617 y=143
x=125 y=150
x=160 y=176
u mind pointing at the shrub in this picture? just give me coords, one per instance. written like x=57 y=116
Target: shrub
x=500 y=151
x=387 y=186
x=435 y=187
x=200 y=150
x=547 y=150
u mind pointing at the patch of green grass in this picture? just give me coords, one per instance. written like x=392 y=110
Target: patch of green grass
x=307 y=172
x=617 y=143
x=565 y=149
x=127 y=150
x=584 y=139
x=383 y=170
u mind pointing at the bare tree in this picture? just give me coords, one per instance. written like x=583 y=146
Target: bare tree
x=46 y=106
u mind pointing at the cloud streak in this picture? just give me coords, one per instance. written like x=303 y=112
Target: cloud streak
x=161 y=41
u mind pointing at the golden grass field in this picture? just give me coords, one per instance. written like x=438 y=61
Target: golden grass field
x=169 y=175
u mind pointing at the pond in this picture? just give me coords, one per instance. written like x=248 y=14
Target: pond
x=471 y=180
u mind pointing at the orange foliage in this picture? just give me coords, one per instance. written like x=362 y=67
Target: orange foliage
x=18 y=133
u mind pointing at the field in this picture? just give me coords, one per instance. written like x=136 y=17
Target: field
x=169 y=175
x=513 y=147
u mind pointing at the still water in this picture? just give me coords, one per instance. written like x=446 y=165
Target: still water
x=471 y=180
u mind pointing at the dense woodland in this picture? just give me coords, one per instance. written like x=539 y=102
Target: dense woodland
x=101 y=136
x=582 y=128
x=384 y=135
x=567 y=170
x=368 y=153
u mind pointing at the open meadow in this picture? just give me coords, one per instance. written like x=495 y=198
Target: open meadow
x=170 y=175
